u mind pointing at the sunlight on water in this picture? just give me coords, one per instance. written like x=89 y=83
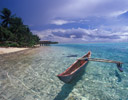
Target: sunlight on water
x=31 y=75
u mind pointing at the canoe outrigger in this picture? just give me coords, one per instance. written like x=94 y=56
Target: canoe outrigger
x=70 y=73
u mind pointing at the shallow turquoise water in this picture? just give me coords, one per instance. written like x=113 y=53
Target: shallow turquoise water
x=32 y=75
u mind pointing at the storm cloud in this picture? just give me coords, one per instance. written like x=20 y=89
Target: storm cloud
x=44 y=11
x=86 y=34
x=73 y=33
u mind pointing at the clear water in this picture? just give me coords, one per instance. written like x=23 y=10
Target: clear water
x=31 y=75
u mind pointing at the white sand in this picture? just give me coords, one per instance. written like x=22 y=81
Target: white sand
x=10 y=50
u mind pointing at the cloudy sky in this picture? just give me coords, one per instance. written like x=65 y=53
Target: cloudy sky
x=73 y=21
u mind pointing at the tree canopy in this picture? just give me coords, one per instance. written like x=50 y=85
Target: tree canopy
x=13 y=32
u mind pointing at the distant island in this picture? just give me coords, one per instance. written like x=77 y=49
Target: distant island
x=13 y=33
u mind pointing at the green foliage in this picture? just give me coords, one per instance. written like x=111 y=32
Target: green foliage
x=9 y=44
x=5 y=34
x=5 y=16
x=14 y=33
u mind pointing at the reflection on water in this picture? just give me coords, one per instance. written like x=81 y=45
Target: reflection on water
x=31 y=75
x=67 y=88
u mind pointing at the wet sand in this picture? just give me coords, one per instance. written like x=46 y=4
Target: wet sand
x=10 y=50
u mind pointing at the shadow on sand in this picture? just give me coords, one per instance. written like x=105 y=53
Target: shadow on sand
x=118 y=76
x=67 y=88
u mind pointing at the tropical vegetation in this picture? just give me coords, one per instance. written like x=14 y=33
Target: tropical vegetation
x=13 y=33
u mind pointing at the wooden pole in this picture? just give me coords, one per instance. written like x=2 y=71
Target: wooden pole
x=118 y=63
x=101 y=60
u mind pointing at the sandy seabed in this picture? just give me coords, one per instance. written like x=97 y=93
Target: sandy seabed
x=10 y=50
x=31 y=74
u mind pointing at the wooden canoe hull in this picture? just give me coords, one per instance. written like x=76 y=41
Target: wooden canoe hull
x=73 y=71
x=69 y=78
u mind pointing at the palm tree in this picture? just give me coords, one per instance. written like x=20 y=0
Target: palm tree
x=15 y=24
x=13 y=32
x=5 y=16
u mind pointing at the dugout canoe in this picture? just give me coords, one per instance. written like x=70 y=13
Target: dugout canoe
x=70 y=73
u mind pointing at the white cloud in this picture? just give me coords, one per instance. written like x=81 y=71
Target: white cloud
x=117 y=13
x=82 y=35
x=84 y=8
x=99 y=14
x=60 y=22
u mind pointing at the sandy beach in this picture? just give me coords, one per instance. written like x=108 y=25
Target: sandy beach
x=10 y=50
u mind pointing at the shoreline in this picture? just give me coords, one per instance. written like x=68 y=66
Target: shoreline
x=8 y=50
